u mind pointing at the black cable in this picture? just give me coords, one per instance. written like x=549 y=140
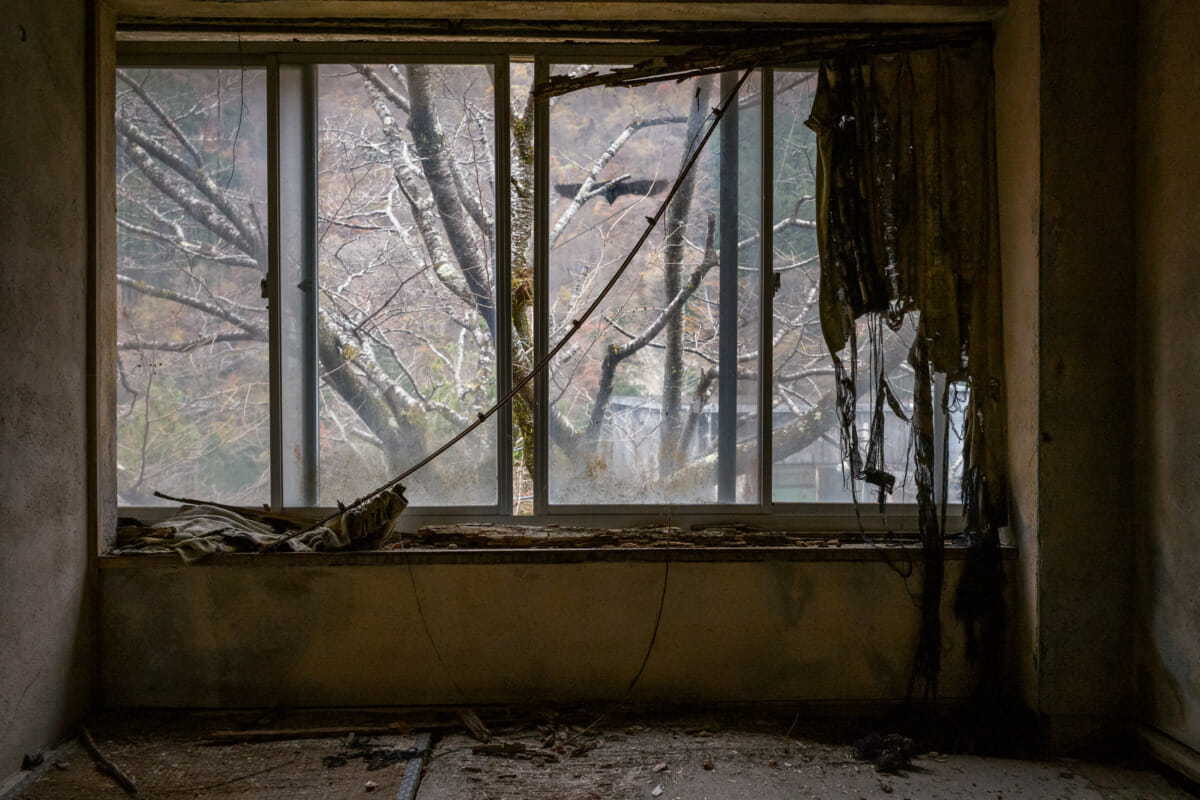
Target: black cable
x=662 y=601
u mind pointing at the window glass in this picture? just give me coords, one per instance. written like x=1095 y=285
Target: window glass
x=192 y=396
x=388 y=321
x=407 y=263
x=635 y=398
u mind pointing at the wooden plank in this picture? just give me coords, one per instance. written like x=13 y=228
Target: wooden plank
x=283 y=734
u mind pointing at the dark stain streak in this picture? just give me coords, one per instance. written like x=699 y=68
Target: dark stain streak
x=22 y=29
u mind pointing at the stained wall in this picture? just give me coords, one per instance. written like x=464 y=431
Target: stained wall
x=1167 y=674
x=1086 y=366
x=238 y=634
x=47 y=651
x=1018 y=166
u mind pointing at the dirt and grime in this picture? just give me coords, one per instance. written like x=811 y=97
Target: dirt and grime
x=548 y=755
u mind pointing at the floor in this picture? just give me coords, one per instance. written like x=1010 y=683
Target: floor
x=548 y=755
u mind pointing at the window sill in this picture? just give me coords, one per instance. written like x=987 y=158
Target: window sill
x=804 y=547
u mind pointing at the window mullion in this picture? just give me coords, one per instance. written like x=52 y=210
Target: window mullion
x=502 y=280
x=727 y=393
x=293 y=286
x=271 y=284
x=766 y=293
x=541 y=290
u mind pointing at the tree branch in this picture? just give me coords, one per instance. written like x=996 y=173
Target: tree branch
x=161 y=113
x=676 y=229
x=404 y=173
x=195 y=206
x=585 y=190
x=430 y=146
x=393 y=96
x=255 y=330
x=190 y=249
x=618 y=353
x=191 y=344
x=249 y=239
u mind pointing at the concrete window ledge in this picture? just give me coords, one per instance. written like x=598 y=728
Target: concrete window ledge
x=822 y=549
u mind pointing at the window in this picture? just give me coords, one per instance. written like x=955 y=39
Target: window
x=329 y=266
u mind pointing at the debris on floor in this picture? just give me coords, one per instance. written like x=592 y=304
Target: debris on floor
x=890 y=753
x=551 y=755
x=371 y=754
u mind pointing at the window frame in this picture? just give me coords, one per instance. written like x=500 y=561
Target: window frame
x=764 y=513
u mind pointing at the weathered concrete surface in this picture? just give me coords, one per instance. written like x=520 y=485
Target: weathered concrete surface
x=1018 y=168
x=1086 y=359
x=1167 y=675
x=1065 y=100
x=237 y=636
x=676 y=10
x=46 y=601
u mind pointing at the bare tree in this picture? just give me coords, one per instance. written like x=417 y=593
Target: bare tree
x=407 y=322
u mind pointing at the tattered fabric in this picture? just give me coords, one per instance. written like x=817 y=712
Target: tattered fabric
x=906 y=222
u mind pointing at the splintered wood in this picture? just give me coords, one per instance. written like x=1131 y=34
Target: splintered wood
x=485 y=535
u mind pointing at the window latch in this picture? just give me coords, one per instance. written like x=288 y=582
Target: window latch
x=776 y=283
x=262 y=289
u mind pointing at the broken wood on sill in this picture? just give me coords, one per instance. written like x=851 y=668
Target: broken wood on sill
x=489 y=535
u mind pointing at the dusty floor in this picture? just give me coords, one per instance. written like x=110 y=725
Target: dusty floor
x=545 y=755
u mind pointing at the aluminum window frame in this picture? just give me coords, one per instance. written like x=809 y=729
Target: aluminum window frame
x=765 y=513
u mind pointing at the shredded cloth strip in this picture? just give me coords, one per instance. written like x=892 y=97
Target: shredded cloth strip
x=200 y=530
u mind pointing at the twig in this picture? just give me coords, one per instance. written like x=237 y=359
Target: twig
x=188 y=501
x=105 y=763
x=584 y=732
x=278 y=520
x=792 y=727
x=513 y=750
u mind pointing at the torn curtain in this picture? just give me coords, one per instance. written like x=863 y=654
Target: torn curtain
x=906 y=216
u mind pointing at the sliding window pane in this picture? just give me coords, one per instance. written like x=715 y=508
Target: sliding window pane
x=192 y=416
x=636 y=414
x=406 y=328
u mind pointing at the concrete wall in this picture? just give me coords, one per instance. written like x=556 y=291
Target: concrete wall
x=1065 y=110
x=46 y=596
x=1168 y=255
x=1018 y=167
x=1065 y=104
x=1086 y=360
x=224 y=635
